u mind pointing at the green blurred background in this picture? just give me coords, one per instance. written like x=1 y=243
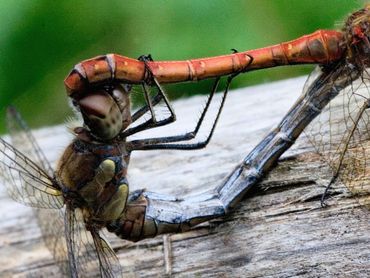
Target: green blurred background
x=41 y=40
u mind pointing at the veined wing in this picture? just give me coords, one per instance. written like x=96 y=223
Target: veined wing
x=51 y=221
x=77 y=252
x=27 y=182
x=25 y=177
x=341 y=134
x=87 y=249
x=24 y=141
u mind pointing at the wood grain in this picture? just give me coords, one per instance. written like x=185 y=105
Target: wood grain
x=278 y=230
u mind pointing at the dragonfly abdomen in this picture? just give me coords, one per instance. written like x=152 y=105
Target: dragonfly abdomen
x=322 y=46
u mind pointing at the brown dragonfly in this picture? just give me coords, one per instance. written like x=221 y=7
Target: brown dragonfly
x=97 y=196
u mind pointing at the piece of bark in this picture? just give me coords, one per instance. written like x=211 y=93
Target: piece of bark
x=278 y=230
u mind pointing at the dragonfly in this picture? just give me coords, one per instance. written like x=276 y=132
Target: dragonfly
x=97 y=196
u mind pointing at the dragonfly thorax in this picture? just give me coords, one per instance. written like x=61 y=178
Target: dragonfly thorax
x=96 y=173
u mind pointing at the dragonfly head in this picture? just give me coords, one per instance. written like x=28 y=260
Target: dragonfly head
x=106 y=114
x=357 y=30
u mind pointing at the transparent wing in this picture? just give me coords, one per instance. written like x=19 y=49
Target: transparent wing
x=341 y=135
x=24 y=141
x=51 y=221
x=25 y=176
x=108 y=262
x=88 y=252
x=27 y=182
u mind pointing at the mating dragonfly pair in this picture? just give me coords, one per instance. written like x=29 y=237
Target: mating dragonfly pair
x=97 y=195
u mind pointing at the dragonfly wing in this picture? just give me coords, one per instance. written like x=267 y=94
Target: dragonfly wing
x=24 y=141
x=88 y=252
x=341 y=135
x=51 y=222
x=27 y=182
x=109 y=264
x=28 y=179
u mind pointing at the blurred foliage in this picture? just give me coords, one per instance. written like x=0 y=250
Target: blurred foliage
x=41 y=40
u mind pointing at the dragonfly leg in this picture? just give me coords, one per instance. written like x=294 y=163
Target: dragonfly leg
x=150 y=81
x=162 y=142
x=146 y=90
x=139 y=113
x=137 y=144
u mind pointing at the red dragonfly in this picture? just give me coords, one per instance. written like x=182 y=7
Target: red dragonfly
x=320 y=47
x=97 y=196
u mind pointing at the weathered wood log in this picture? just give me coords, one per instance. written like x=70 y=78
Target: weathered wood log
x=278 y=230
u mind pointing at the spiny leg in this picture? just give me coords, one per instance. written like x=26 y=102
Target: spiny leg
x=139 y=113
x=152 y=122
x=146 y=91
x=364 y=106
x=137 y=144
x=148 y=125
x=194 y=146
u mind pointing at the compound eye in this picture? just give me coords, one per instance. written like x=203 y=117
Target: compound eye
x=121 y=94
x=101 y=115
